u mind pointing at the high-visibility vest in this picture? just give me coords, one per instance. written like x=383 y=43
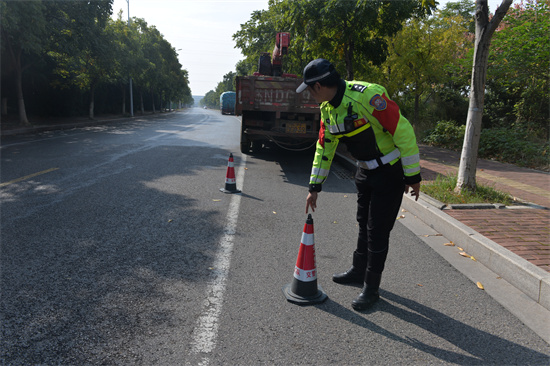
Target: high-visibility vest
x=366 y=109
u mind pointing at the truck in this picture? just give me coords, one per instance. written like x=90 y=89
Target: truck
x=227 y=102
x=271 y=111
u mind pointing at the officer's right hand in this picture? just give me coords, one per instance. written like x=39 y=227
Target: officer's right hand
x=311 y=201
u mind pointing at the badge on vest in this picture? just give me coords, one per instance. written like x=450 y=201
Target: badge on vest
x=378 y=102
x=358 y=87
x=359 y=122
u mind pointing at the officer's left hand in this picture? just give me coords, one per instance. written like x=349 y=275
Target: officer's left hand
x=415 y=190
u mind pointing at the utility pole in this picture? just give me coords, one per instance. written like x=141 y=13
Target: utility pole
x=131 y=93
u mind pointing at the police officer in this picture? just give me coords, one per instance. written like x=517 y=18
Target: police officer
x=362 y=115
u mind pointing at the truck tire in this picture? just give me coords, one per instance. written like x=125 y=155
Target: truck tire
x=256 y=146
x=246 y=144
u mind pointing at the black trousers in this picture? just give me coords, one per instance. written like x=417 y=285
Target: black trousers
x=379 y=196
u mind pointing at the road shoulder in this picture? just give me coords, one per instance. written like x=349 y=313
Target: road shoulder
x=531 y=313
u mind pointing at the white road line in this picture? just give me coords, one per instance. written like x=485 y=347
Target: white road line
x=206 y=329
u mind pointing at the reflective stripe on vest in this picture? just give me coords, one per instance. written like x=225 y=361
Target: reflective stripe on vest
x=337 y=129
x=410 y=160
x=373 y=164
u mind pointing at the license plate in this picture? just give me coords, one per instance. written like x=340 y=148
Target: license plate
x=294 y=127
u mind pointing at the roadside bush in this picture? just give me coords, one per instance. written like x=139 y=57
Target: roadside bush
x=447 y=134
x=507 y=145
x=514 y=146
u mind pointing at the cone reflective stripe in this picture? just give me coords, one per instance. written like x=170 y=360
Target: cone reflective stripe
x=305 y=263
x=303 y=289
x=230 y=181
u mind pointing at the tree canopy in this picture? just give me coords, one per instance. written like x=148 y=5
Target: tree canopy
x=349 y=33
x=69 y=50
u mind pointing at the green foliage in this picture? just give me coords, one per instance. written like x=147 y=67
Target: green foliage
x=446 y=134
x=212 y=98
x=71 y=48
x=350 y=33
x=442 y=189
x=509 y=145
x=23 y=26
x=519 y=69
x=421 y=70
x=514 y=146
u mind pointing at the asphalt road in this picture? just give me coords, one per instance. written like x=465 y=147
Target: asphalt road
x=119 y=248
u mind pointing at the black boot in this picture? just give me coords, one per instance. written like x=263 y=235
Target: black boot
x=366 y=299
x=369 y=294
x=352 y=275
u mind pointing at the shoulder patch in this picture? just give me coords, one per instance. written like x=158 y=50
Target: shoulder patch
x=358 y=87
x=378 y=102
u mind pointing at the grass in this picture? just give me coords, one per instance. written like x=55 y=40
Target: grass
x=442 y=189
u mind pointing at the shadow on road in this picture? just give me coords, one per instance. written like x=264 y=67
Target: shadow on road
x=479 y=347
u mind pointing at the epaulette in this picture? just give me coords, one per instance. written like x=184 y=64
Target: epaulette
x=358 y=87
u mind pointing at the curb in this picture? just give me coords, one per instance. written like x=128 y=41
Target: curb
x=520 y=273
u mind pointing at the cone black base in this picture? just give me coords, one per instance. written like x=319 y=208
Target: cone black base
x=230 y=190
x=316 y=297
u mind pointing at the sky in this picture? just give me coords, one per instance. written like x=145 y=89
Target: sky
x=201 y=31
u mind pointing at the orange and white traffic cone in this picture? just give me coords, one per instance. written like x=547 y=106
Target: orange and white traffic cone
x=230 y=181
x=303 y=289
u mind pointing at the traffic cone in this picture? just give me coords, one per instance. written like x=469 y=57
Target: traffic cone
x=303 y=289
x=230 y=182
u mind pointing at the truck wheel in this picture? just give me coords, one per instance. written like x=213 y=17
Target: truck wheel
x=245 y=147
x=256 y=146
x=246 y=144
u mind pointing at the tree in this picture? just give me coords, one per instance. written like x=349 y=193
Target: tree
x=145 y=75
x=24 y=31
x=228 y=83
x=519 y=63
x=212 y=98
x=349 y=33
x=128 y=55
x=439 y=44
x=484 y=31
x=83 y=49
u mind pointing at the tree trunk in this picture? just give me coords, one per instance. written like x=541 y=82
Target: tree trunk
x=416 y=107
x=92 y=100
x=141 y=101
x=16 y=58
x=153 y=100
x=123 y=100
x=350 y=75
x=484 y=31
x=23 y=120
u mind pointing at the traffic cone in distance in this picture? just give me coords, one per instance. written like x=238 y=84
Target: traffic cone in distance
x=303 y=289
x=230 y=181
